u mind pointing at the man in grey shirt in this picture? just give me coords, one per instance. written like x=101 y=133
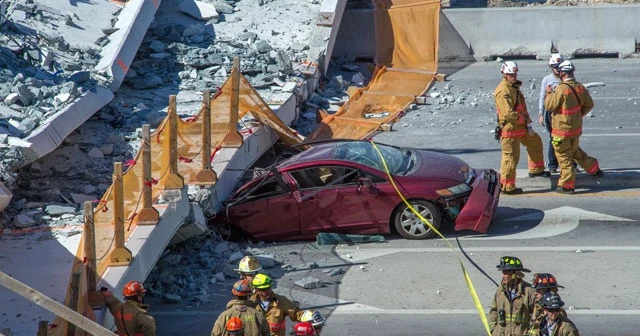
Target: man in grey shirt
x=550 y=80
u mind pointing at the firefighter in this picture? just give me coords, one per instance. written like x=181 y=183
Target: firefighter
x=254 y=322
x=542 y=283
x=131 y=316
x=551 y=80
x=315 y=318
x=274 y=307
x=234 y=327
x=569 y=102
x=248 y=268
x=554 y=323
x=516 y=129
x=513 y=301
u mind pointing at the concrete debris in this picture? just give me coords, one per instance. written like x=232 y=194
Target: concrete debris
x=266 y=260
x=199 y=9
x=593 y=84
x=376 y=115
x=308 y=283
x=59 y=210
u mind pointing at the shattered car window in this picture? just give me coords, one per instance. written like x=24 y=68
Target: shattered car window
x=320 y=176
x=398 y=161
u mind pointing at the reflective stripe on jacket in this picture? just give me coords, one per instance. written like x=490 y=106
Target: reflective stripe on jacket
x=279 y=308
x=512 y=117
x=568 y=109
x=131 y=317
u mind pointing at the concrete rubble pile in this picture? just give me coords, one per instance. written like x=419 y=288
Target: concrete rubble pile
x=179 y=55
x=40 y=73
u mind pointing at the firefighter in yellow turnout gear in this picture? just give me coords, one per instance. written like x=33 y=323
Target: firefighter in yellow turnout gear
x=513 y=302
x=569 y=102
x=276 y=308
x=516 y=129
x=542 y=283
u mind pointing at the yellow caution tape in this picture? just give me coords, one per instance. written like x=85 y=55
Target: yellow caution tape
x=472 y=291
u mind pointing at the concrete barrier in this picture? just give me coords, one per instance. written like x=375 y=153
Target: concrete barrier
x=521 y=31
x=534 y=30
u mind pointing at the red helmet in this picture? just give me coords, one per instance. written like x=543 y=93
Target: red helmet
x=234 y=324
x=133 y=288
x=304 y=329
x=242 y=288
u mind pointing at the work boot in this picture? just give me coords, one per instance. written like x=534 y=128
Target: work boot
x=516 y=191
x=540 y=174
x=599 y=173
x=564 y=190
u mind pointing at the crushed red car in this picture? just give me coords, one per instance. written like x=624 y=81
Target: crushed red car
x=343 y=187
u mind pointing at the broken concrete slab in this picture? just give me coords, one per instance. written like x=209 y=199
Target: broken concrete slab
x=199 y=9
x=308 y=283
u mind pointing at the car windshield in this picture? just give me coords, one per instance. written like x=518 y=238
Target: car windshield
x=399 y=161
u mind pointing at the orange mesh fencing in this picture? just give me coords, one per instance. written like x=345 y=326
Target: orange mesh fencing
x=406 y=58
x=189 y=150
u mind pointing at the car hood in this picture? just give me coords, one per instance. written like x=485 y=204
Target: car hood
x=434 y=165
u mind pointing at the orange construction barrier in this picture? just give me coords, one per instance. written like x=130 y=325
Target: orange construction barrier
x=406 y=59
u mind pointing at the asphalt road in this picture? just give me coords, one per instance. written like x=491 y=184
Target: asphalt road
x=399 y=287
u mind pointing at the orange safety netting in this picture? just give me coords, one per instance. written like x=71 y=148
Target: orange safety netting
x=406 y=58
x=189 y=143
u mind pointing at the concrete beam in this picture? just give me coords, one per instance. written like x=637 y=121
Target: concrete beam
x=117 y=55
x=50 y=134
x=325 y=33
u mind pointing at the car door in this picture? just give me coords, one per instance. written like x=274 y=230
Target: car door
x=269 y=211
x=331 y=200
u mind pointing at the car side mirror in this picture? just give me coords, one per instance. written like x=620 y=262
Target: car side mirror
x=365 y=183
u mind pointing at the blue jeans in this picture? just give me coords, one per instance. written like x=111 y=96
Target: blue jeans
x=551 y=157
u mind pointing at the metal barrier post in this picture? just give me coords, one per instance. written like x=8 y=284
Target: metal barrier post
x=206 y=176
x=173 y=180
x=95 y=299
x=148 y=214
x=234 y=138
x=121 y=256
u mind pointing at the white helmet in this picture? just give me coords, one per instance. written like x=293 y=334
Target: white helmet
x=555 y=60
x=566 y=66
x=249 y=265
x=312 y=316
x=509 y=67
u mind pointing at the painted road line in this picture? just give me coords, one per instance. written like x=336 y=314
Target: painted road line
x=608 y=135
x=355 y=255
x=552 y=222
x=579 y=193
x=358 y=309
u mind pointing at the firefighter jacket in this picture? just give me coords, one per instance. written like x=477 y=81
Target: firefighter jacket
x=131 y=317
x=562 y=327
x=254 y=322
x=513 y=116
x=569 y=102
x=536 y=318
x=510 y=317
x=279 y=308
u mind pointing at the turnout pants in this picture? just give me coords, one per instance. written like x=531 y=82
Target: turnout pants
x=568 y=151
x=511 y=157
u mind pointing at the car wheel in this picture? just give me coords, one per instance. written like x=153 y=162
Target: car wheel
x=411 y=226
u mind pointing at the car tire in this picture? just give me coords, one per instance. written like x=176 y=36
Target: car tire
x=411 y=226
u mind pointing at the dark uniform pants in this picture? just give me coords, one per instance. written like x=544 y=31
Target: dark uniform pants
x=511 y=157
x=568 y=151
x=551 y=154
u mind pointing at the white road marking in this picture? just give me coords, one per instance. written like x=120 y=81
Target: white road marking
x=609 y=135
x=553 y=222
x=355 y=255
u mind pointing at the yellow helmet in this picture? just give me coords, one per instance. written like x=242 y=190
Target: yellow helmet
x=261 y=281
x=312 y=316
x=249 y=265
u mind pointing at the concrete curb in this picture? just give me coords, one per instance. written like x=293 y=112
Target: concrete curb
x=613 y=178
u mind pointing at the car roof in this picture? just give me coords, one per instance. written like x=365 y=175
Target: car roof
x=318 y=152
